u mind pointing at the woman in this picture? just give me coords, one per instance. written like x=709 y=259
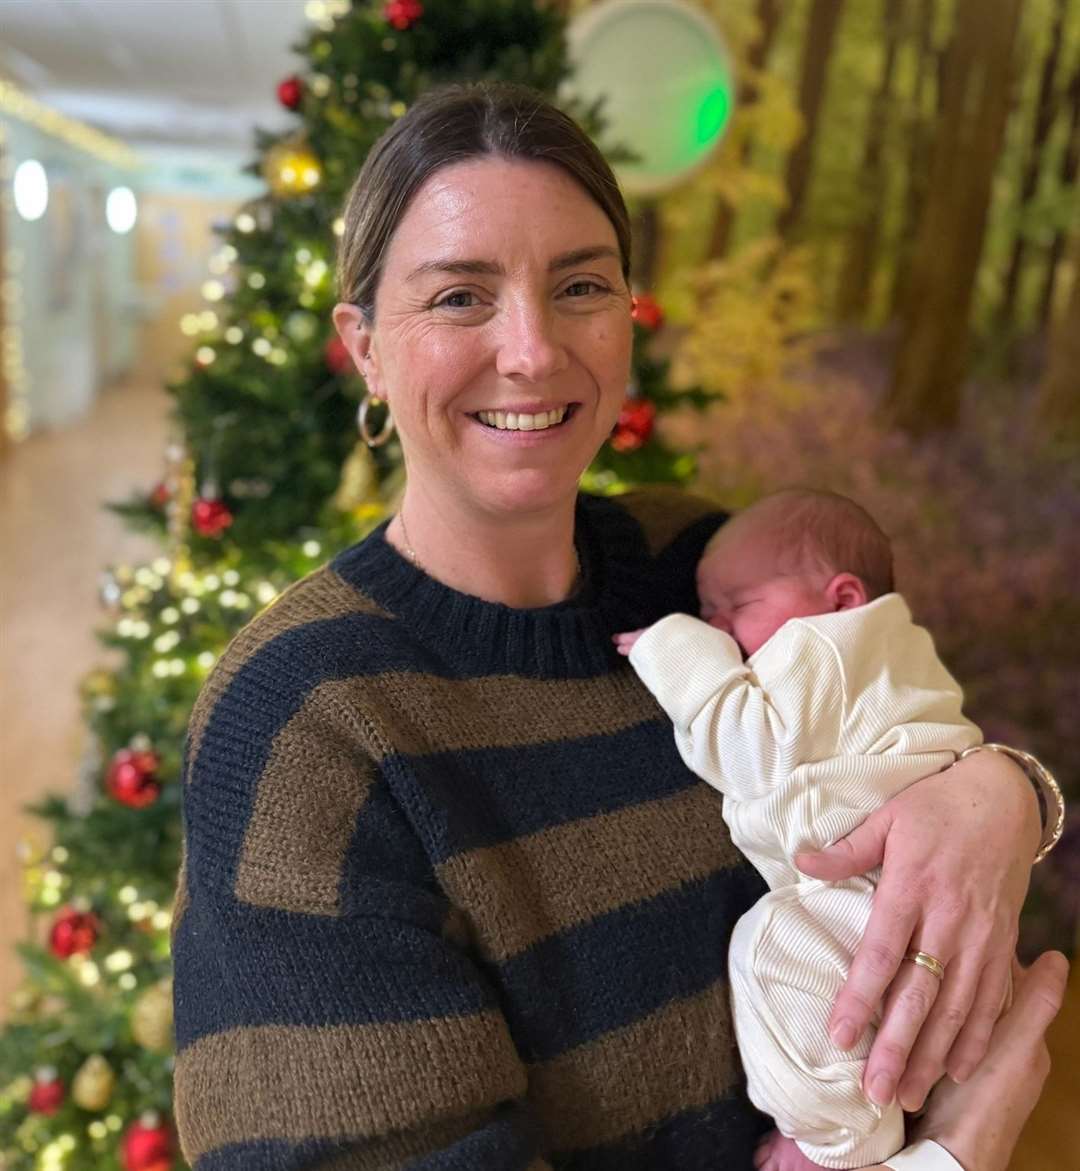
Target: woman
x=450 y=898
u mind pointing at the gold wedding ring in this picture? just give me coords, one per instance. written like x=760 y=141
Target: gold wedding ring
x=925 y=960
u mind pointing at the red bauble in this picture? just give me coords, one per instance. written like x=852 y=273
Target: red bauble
x=337 y=357
x=160 y=495
x=635 y=424
x=646 y=312
x=47 y=1094
x=147 y=1145
x=403 y=14
x=131 y=778
x=73 y=931
x=210 y=518
x=290 y=91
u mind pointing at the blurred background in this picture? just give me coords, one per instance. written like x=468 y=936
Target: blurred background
x=857 y=242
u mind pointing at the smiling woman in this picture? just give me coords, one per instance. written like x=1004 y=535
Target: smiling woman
x=450 y=897
x=504 y=362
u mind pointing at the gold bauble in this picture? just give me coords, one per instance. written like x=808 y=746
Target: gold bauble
x=152 y=1018
x=93 y=1084
x=31 y=850
x=359 y=483
x=291 y=169
x=98 y=682
x=24 y=1000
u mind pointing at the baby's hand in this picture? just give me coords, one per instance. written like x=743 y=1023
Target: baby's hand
x=626 y=640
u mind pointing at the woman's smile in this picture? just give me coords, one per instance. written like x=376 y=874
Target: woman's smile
x=526 y=425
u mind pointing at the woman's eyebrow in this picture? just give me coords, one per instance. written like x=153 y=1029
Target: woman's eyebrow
x=493 y=268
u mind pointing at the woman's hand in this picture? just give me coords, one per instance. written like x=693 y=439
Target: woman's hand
x=979 y=1122
x=956 y=850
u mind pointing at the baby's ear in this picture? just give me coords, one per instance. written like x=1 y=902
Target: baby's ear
x=846 y=591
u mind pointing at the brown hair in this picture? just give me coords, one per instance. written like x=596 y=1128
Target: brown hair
x=447 y=125
x=821 y=530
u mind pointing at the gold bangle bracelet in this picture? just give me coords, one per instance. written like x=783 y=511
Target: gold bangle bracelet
x=1045 y=785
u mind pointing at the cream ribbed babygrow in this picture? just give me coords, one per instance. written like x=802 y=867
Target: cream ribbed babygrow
x=834 y=715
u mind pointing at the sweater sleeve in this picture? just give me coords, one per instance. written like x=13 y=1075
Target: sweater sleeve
x=742 y=735
x=329 y=1012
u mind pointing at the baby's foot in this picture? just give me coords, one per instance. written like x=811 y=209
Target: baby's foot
x=776 y=1153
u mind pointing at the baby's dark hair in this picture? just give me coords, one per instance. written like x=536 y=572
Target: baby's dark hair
x=821 y=530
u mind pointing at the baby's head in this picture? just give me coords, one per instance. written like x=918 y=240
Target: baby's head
x=794 y=553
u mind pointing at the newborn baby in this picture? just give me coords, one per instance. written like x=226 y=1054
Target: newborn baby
x=841 y=704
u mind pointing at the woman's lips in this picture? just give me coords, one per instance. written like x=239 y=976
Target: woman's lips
x=528 y=421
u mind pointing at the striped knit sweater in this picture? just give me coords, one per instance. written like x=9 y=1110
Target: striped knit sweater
x=450 y=898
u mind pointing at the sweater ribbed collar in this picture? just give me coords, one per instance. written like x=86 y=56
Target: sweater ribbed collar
x=570 y=639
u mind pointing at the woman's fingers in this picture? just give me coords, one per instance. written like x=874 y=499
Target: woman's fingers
x=958 y=995
x=908 y=1017
x=860 y=851
x=877 y=960
x=973 y=1039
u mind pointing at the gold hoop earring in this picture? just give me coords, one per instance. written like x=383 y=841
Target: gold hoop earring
x=372 y=400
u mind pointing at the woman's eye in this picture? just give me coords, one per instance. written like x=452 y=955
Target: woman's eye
x=584 y=284
x=445 y=302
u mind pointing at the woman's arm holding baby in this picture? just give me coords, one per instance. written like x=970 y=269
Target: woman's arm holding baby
x=956 y=850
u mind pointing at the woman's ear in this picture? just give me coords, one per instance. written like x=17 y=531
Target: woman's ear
x=357 y=336
x=846 y=591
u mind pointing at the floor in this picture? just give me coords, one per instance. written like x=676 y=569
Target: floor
x=54 y=540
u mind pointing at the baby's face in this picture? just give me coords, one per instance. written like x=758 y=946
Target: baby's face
x=744 y=591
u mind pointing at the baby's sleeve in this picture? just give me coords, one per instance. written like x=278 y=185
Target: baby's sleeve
x=743 y=727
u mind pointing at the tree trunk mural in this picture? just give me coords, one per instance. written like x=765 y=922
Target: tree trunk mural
x=820 y=35
x=768 y=21
x=919 y=142
x=925 y=391
x=1029 y=183
x=1070 y=172
x=854 y=293
x=1059 y=390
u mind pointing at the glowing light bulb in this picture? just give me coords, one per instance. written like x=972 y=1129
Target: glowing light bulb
x=121 y=210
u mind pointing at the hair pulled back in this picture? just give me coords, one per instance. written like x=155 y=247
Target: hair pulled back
x=452 y=124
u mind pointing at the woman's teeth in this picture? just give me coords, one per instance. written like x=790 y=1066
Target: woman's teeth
x=509 y=421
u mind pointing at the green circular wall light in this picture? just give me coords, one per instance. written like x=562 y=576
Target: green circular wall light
x=666 y=76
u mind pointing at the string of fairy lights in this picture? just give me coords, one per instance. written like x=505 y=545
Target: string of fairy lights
x=314 y=273
x=12 y=367
x=15 y=103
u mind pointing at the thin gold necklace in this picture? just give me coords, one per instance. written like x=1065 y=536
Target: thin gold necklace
x=415 y=560
x=405 y=534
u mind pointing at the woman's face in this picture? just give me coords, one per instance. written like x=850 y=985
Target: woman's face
x=503 y=356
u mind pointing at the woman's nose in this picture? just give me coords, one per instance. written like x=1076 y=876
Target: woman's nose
x=529 y=344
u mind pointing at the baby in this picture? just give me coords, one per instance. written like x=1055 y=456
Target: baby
x=840 y=704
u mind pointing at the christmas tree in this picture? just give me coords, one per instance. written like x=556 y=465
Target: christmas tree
x=265 y=480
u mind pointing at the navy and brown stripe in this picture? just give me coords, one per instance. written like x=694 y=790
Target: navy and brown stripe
x=450 y=897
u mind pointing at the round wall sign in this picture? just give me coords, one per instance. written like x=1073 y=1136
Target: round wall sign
x=668 y=82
